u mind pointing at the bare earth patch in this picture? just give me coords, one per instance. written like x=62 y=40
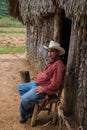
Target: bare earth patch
x=12 y=40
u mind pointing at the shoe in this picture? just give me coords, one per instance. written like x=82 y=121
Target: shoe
x=23 y=119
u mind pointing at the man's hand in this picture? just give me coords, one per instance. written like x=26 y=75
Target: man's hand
x=39 y=89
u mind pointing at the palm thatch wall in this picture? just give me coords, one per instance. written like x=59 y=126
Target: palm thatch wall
x=37 y=9
x=66 y=22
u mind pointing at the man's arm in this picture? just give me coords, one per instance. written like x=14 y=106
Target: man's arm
x=55 y=81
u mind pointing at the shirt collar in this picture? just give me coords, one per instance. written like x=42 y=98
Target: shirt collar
x=50 y=61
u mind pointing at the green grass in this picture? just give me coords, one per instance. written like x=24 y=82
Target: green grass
x=9 y=27
x=12 y=49
x=10 y=22
x=7 y=30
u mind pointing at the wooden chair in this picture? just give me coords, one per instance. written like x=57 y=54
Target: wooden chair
x=49 y=105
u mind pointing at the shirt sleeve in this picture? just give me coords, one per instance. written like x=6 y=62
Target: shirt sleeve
x=55 y=81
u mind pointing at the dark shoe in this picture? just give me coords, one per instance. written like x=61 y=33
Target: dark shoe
x=23 y=119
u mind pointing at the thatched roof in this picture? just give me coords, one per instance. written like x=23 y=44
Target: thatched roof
x=37 y=9
x=13 y=7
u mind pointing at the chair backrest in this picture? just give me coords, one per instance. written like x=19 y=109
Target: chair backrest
x=59 y=93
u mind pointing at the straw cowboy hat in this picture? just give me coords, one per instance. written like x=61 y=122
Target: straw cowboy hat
x=55 y=45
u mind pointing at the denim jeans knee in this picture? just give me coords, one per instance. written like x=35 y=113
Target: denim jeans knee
x=28 y=97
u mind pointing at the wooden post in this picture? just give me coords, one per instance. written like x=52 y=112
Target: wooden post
x=25 y=76
x=58 y=22
x=70 y=83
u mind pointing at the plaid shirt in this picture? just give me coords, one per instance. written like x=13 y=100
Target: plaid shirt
x=51 y=78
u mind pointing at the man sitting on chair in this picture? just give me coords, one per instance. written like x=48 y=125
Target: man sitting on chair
x=48 y=82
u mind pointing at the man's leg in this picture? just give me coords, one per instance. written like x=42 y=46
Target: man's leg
x=25 y=87
x=28 y=100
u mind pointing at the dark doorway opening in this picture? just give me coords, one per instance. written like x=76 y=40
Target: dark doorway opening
x=65 y=38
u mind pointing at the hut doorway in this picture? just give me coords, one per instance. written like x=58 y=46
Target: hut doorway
x=65 y=38
x=62 y=31
x=65 y=43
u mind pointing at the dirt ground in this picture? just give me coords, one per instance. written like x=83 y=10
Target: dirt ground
x=12 y=39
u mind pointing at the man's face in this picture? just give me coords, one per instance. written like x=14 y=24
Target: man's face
x=53 y=53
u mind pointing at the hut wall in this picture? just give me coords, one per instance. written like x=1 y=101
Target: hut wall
x=37 y=35
x=81 y=77
x=76 y=87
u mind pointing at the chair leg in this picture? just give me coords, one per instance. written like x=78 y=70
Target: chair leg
x=60 y=124
x=50 y=108
x=55 y=113
x=34 y=116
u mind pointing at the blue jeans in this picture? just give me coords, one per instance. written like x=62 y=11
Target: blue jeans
x=28 y=97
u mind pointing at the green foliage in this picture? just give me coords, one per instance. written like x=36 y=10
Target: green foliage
x=5 y=19
x=11 y=49
x=3 y=8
